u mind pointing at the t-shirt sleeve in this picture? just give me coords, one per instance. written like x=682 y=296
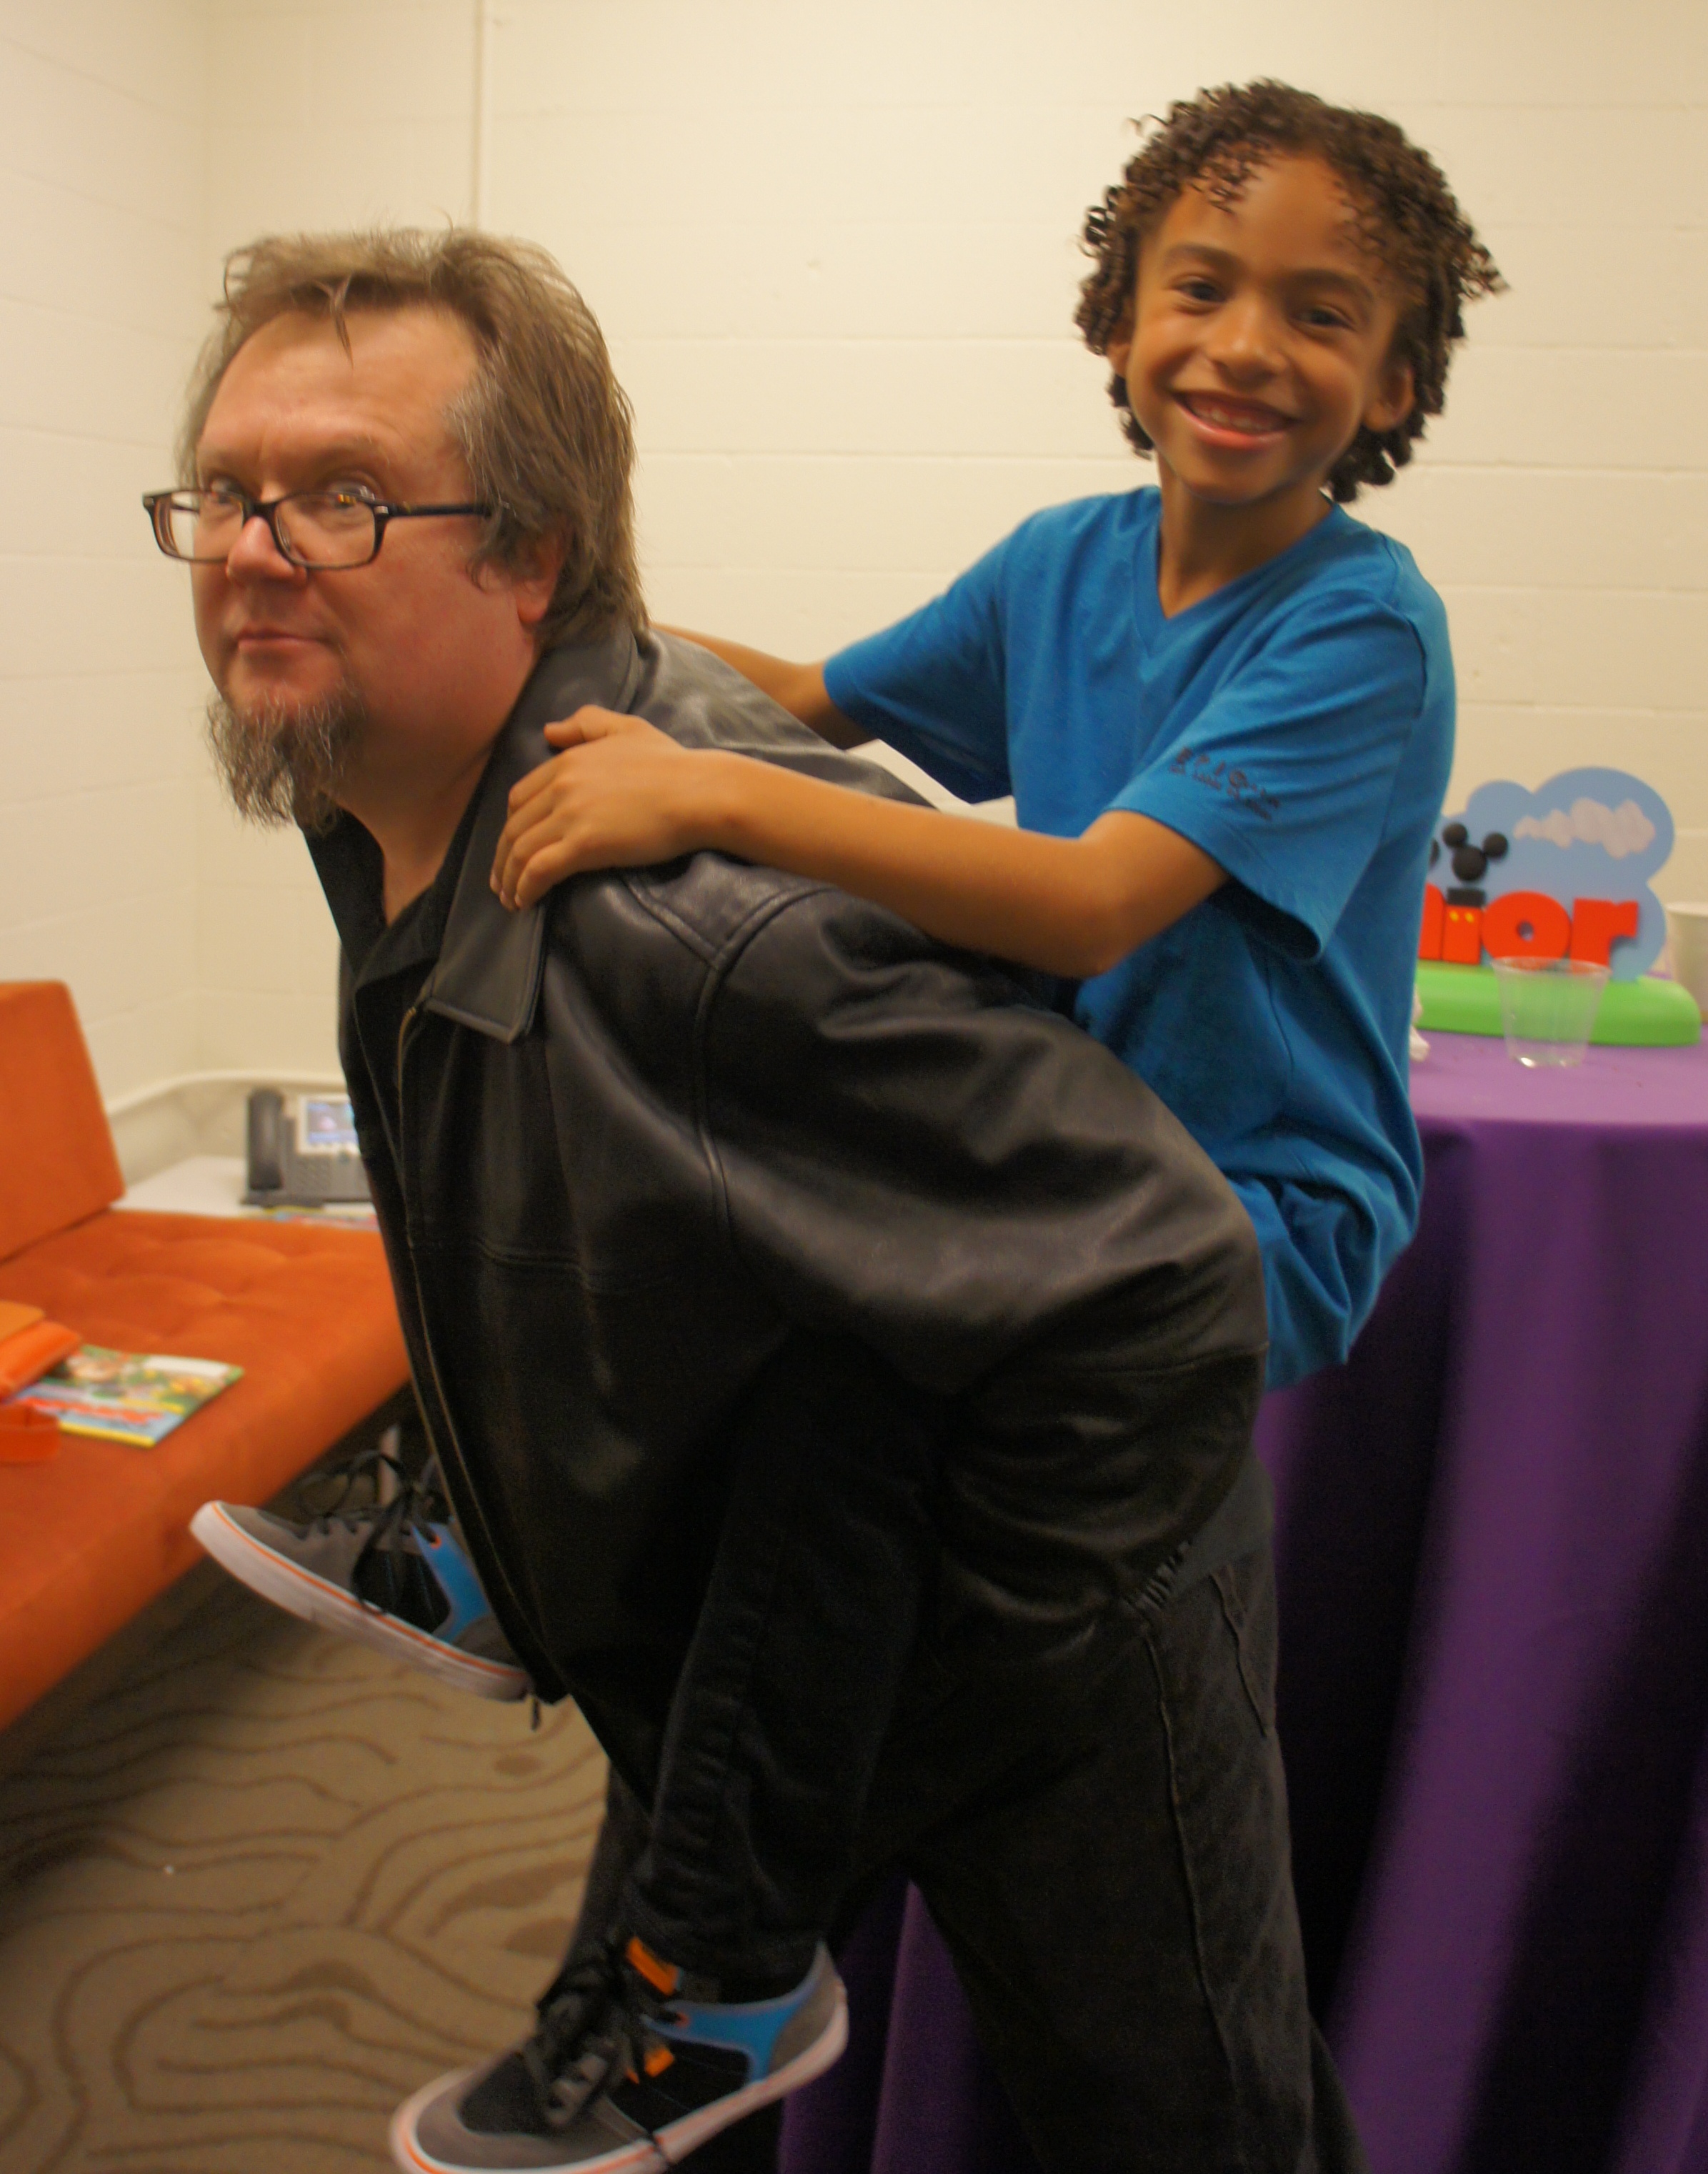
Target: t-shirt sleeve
x=933 y=685
x=1285 y=776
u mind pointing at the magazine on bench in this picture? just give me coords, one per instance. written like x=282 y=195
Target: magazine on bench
x=125 y=1396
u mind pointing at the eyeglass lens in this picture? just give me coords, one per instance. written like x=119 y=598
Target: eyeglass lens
x=316 y=529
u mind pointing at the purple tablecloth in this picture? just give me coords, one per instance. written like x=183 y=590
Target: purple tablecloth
x=1493 y=1550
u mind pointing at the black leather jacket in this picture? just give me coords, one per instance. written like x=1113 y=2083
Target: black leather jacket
x=637 y=1136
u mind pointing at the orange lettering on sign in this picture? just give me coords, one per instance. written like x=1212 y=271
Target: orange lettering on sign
x=1526 y=924
x=1435 y=911
x=1462 y=935
x=1597 y=923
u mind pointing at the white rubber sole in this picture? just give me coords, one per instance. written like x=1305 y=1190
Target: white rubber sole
x=317 y=1600
x=652 y=2154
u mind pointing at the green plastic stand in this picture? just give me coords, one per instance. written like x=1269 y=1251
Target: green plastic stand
x=1647 y=1013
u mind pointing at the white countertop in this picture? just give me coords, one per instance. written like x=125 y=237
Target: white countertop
x=213 y=1185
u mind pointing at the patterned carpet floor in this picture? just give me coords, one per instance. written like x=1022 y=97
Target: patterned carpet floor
x=262 y=1887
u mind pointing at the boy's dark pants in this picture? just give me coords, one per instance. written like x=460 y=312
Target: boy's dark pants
x=795 y=1667
x=1115 y=1890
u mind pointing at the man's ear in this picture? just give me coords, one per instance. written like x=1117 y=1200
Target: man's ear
x=532 y=578
x=1394 y=397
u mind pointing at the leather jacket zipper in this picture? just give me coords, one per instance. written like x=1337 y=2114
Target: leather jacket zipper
x=472 y=1499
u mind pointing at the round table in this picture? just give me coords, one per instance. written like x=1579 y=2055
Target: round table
x=1492 y=1545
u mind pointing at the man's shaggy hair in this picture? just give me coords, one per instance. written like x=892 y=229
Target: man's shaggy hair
x=544 y=429
x=1406 y=212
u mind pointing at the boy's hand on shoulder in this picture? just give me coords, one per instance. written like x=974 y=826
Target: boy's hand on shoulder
x=621 y=794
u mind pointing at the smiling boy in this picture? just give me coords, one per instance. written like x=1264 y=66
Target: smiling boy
x=1258 y=342
x=1224 y=707
x=1226 y=711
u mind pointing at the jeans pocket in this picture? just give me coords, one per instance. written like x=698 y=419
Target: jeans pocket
x=1248 y=1609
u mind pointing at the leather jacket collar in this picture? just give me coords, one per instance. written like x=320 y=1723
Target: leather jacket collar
x=485 y=968
x=487 y=975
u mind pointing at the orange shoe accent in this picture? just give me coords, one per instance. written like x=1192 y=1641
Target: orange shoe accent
x=663 y=1977
x=658 y=2060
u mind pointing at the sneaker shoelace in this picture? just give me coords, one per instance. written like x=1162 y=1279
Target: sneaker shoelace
x=594 y=2032
x=390 y=1523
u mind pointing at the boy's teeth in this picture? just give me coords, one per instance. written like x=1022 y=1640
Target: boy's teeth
x=1232 y=419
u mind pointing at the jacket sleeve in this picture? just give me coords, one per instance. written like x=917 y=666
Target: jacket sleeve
x=912 y=1155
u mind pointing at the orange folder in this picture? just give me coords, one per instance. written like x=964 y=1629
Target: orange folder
x=30 y=1352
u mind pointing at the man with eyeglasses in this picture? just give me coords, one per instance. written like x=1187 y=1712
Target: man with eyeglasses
x=333 y=531
x=842 y=1370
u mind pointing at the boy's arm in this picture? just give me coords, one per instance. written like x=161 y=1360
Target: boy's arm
x=799 y=688
x=624 y=794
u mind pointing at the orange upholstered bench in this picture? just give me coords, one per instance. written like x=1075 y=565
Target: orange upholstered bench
x=90 y=1537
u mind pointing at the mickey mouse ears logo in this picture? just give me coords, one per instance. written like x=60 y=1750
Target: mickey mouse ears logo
x=1588 y=841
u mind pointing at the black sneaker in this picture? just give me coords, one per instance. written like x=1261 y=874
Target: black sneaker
x=632 y=2067
x=385 y=1574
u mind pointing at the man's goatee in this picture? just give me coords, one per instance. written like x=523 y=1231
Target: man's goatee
x=285 y=765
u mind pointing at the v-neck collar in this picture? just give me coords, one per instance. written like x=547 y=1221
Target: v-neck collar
x=1158 y=627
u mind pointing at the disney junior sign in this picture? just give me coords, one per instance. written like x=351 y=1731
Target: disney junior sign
x=1559 y=873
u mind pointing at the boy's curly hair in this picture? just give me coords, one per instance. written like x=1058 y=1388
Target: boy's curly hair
x=1406 y=211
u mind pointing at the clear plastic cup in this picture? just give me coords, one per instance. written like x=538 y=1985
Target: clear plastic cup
x=1547 y=1007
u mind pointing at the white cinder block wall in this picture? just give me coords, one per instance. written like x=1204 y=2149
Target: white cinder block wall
x=101 y=271
x=834 y=250
x=319 y=113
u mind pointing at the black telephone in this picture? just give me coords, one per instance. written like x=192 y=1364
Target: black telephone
x=303 y=1151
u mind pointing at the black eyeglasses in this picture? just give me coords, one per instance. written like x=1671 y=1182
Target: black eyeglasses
x=326 y=531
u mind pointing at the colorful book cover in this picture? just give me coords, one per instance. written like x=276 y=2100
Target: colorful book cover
x=337 y=1214
x=125 y=1396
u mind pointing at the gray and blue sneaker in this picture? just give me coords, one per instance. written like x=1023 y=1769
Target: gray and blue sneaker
x=632 y=2066
x=385 y=1574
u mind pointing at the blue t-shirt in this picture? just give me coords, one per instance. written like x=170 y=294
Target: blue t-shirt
x=1297 y=726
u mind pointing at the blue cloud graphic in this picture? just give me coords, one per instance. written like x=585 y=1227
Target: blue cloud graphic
x=1590 y=833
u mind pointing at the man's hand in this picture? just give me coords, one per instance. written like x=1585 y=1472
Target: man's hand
x=621 y=794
